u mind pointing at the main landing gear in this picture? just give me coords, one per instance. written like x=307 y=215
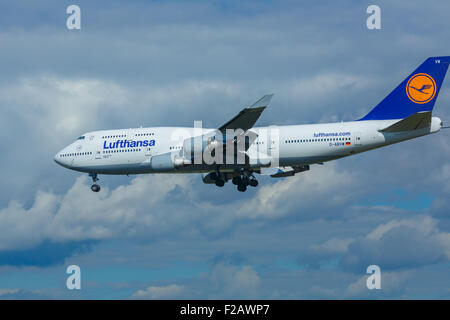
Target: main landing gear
x=218 y=178
x=95 y=187
x=243 y=181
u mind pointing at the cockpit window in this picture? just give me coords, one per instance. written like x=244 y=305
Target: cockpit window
x=81 y=138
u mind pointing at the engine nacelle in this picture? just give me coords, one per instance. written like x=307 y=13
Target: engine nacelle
x=168 y=161
x=210 y=178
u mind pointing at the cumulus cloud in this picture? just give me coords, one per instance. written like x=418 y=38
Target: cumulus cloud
x=324 y=252
x=223 y=281
x=392 y=284
x=79 y=215
x=233 y=282
x=20 y=294
x=302 y=194
x=397 y=244
x=164 y=292
x=58 y=107
x=400 y=244
x=158 y=208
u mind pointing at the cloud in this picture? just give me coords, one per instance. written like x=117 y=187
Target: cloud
x=164 y=292
x=20 y=294
x=46 y=253
x=21 y=227
x=323 y=253
x=79 y=215
x=233 y=282
x=222 y=281
x=392 y=284
x=301 y=194
x=60 y=101
x=400 y=244
x=7 y=291
x=158 y=204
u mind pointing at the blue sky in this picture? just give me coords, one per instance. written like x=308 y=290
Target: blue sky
x=172 y=62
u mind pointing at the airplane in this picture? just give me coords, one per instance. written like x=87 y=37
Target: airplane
x=238 y=150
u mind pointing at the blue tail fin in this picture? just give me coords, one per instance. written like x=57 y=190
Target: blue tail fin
x=418 y=92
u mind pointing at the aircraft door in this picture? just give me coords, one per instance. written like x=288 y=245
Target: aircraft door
x=357 y=139
x=273 y=143
x=98 y=147
x=98 y=151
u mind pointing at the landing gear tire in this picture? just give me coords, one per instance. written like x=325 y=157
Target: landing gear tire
x=253 y=182
x=236 y=180
x=95 y=188
x=242 y=187
x=220 y=183
x=214 y=175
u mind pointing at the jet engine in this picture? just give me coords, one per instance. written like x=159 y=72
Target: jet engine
x=196 y=146
x=168 y=161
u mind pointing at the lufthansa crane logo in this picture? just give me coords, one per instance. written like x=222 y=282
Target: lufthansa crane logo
x=421 y=88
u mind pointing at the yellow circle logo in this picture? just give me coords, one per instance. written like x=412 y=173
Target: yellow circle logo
x=421 y=88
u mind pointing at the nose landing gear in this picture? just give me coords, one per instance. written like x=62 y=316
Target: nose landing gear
x=95 y=187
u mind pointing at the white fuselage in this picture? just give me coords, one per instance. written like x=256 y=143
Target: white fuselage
x=113 y=151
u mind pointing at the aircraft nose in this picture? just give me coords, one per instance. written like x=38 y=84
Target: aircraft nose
x=58 y=159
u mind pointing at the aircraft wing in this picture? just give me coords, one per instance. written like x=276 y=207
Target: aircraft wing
x=240 y=124
x=247 y=118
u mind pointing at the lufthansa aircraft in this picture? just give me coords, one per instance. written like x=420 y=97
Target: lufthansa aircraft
x=237 y=150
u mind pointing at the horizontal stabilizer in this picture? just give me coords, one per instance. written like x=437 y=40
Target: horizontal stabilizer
x=278 y=172
x=415 y=121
